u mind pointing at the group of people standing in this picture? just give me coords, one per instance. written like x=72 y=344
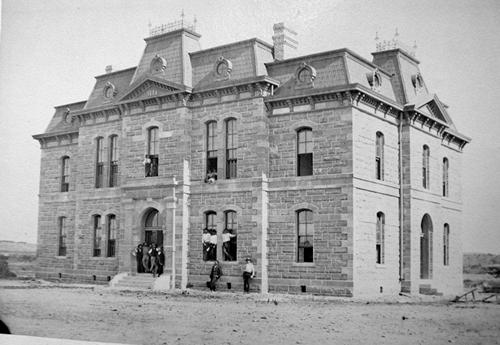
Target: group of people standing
x=216 y=273
x=150 y=258
x=209 y=240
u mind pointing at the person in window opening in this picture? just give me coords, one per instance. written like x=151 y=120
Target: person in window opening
x=138 y=257
x=226 y=244
x=248 y=273
x=215 y=274
x=211 y=177
x=153 y=254
x=145 y=257
x=161 y=261
x=147 y=165
x=212 y=252
x=205 y=240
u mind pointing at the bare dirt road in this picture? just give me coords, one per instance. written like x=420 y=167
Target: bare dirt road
x=102 y=314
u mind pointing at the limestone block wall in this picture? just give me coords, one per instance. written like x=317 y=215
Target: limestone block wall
x=252 y=137
x=173 y=125
x=441 y=210
x=327 y=193
x=372 y=196
x=54 y=204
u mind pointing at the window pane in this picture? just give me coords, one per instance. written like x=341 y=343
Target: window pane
x=305 y=164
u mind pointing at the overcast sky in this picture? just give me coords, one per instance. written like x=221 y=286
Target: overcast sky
x=51 y=50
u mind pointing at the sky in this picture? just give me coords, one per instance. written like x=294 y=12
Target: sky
x=51 y=50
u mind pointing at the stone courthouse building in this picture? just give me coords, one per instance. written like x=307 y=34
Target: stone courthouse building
x=336 y=174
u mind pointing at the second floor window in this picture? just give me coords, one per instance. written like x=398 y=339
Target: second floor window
x=379 y=157
x=97 y=236
x=65 y=174
x=99 y=169
x=305 y=236
x=113 y=161
x=231 y=166
x=151 y=162
x=425 y=167
x=62 y=236
x=304 y=152
x=211 y=150
x=445 y=176
x=111 y=224
x=379 y=241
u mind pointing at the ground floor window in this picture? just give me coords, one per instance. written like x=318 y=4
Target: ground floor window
x=305 y=236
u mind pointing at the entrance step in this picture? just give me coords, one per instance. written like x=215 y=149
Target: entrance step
x=140 y=281
x=427 y=289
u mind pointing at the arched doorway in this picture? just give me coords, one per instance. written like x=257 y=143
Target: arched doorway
x=153 y=230
x=426 y=247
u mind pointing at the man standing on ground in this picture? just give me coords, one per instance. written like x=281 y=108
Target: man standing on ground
x=215 y=274
x=248 y=273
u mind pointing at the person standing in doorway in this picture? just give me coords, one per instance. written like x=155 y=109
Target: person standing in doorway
x=248 y=273
x=138 y=258
x=161 y=261
x=145 y=257
x=215 y=274
x=153 y=255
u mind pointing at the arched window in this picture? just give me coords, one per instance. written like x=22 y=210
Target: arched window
x=305 y=236
x=62 y=236
x=229 y=236
x=379 y=156
x=99 y=169
x=211 y=150
x=446 y=244
x=113 y=161
x=152 y=161
x=425 y=167
x=426 y=247
x=65 y=174
x=111 y=232
x=210 y=248
x=97 y=235
x=445 y=176
x=380 y=234
x=231 y=161
x=304 y=152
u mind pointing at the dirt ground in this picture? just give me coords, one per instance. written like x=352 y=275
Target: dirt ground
x=100 y=314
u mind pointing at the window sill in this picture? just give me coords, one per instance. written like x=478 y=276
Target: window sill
x=380 y=266
x=61 y=257
x=304 y=264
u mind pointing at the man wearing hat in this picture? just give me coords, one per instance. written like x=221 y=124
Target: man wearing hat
x=248 y=273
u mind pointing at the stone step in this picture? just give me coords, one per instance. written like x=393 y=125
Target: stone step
x=137 y=281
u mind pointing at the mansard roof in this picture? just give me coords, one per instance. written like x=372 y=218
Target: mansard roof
x=331 y=69
x=60 y=122
x=119 y=81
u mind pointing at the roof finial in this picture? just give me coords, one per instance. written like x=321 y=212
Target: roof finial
x=376 y=36
x=194 y=23
x=182 y=17
x=150 y=26
x=396 y=34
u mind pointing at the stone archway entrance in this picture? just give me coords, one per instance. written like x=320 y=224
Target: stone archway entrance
x=426 y=247
x=153 y=231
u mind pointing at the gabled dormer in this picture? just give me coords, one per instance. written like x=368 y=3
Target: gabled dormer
x=151 y=86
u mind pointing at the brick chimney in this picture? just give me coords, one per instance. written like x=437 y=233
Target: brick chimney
x=284 y=42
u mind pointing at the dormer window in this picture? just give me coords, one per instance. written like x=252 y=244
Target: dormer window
x=305 y=75
x=417 y=81
x=158 y=64
x=223 y=68
x=109 y=90
x=374 y=80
